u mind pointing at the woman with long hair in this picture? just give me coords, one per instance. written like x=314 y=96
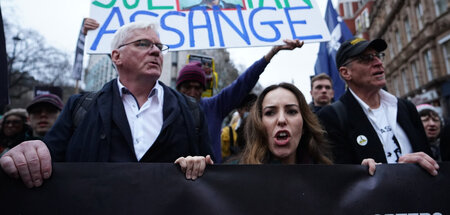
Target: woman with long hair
x=280 y=129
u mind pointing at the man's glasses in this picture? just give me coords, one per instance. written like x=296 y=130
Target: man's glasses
x=366 y=58
x=145 y=44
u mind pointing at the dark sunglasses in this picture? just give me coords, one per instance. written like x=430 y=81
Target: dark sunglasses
x=366 y=58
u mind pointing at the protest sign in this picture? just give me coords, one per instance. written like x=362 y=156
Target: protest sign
x=184 y=25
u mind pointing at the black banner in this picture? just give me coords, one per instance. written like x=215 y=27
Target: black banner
x=130 y=188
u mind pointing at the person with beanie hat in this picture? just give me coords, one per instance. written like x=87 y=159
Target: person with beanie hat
x=191 y=82
x=432 y=124
x=14 y=129
x=43 y=111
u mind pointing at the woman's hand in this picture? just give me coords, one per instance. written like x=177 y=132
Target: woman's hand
x=194 y=167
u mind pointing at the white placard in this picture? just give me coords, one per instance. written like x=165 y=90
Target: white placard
x=249 y=23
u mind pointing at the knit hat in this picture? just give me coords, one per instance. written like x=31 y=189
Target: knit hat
x=46 y=98
x=192 y=71
x=18 y=112
x=354 y=47
x=423 y=107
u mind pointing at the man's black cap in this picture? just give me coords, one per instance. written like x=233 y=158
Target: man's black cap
x=354 y=47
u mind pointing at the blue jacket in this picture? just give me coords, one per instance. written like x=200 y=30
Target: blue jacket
x=219 y=106
x=104 y=134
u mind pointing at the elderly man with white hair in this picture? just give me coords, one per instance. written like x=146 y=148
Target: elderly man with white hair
x=134 y=118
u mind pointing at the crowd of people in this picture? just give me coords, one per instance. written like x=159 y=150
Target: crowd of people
x=137 y=118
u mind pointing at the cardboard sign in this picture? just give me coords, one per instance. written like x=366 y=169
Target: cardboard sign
x=196 y=24
x=211 y=75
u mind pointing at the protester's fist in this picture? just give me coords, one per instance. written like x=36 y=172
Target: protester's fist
x=30 y=161
x=89 y=24
x=291 y=44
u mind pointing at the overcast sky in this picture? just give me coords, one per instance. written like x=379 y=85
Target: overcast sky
x=59 y=22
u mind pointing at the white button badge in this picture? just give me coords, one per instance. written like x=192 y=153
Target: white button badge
x=362 y=140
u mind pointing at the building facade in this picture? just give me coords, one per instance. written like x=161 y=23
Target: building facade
x=99 y=71
x=356 y=15
x=418 y=54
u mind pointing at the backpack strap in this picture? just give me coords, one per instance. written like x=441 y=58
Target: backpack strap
x=341 y=113
x=82 y=106
x=195 y=111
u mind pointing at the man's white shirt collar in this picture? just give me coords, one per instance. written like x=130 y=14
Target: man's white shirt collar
x=385 y=98
x=388 y=101
x=157 y=90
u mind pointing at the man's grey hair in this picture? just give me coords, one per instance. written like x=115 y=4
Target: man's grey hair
x=123 y=33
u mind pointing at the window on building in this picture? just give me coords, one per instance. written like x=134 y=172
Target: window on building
x=398 y=38
x=407 y=29
x=405 y=81
x=361 y=3
x=348 y=10
x=387 y=7
x=415 y=75
x=391 y=50
x=396 y=88
x=428 y=64
x=365 y=14
x=446 y=48
x=419 y=15
x=440 y=6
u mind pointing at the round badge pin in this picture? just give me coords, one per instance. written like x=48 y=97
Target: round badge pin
x=362 y=140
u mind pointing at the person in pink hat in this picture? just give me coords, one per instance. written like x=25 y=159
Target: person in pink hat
x=432 y=123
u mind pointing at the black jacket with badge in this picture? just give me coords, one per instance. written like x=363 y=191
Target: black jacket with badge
x=343 y=137
x=104 y=134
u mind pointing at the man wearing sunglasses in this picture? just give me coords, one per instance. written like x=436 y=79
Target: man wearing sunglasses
x=368 y=124
x=134 y=118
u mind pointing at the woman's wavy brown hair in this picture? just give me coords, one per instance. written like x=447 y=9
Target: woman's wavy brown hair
x=313 y=141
